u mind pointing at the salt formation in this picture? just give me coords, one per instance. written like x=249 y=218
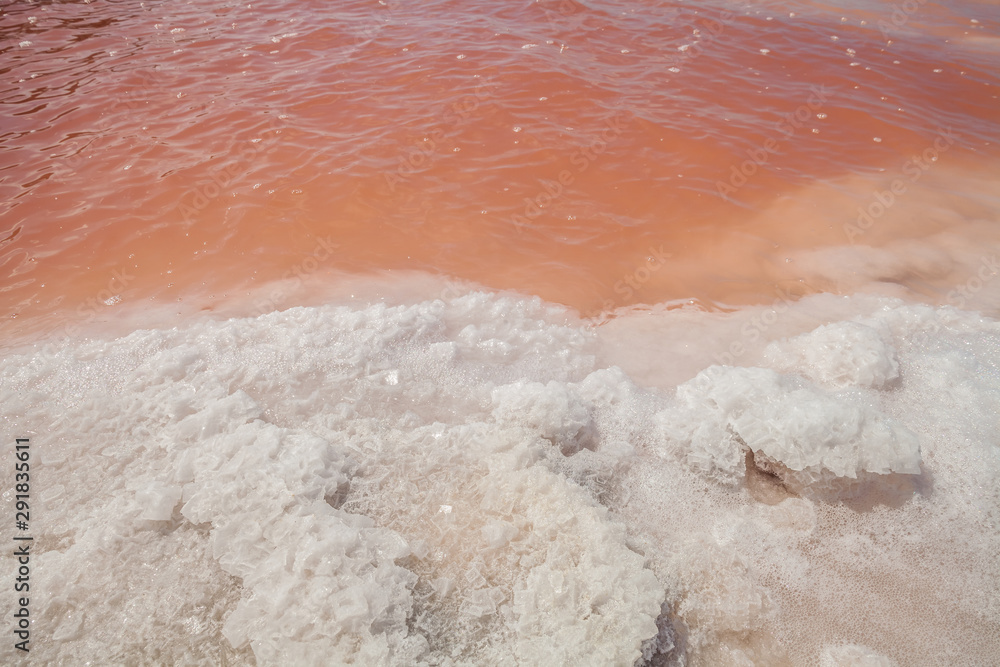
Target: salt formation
x=842 y=354
x=808 y=437
x=461 y=482
x=380 y=489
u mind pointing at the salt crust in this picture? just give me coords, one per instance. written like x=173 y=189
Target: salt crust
x=813 y=434
x=424 y=485
x=361 y=473
x=854 y=655
x=838 y=355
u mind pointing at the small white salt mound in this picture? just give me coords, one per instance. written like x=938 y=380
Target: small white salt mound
x=842 y=354
x=556 y=411
x=507 y=550
x=587 y=599
x=854 y=655
x=812 y=435
x=322 y=586
x=158 y=500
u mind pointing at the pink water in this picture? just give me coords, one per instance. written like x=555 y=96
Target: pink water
x=200 y=150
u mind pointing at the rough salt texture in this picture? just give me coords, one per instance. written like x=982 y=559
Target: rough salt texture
x=363 y=487
x=854 y=656
x=458 y=483
x=783 y=419
x=842 y=354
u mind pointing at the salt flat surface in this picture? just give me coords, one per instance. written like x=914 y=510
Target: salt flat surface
x=467 y=481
